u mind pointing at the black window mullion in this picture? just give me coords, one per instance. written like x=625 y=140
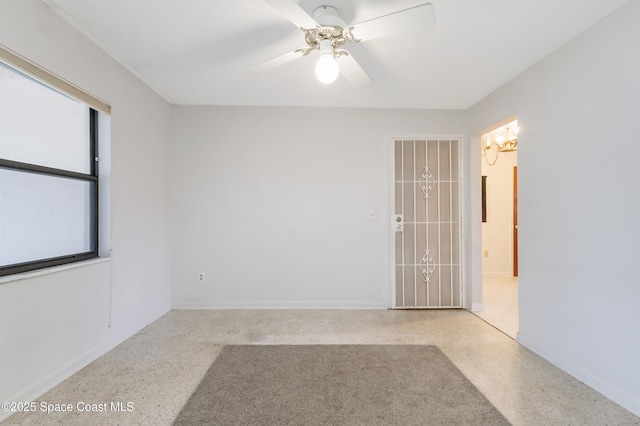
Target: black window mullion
x=93 y=160
x=19 y=268
x=93 y=141
x=43 y=170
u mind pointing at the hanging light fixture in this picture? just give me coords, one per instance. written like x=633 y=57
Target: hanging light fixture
x=327 y=69
x=504 y=139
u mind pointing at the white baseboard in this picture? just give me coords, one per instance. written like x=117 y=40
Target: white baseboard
x=497 y=275
x=187 y=304
x=477 y=307
x=624 y=399
x=35 y=390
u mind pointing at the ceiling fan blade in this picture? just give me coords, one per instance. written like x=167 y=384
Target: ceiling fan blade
x=279 y=61
x=414 y=18
x=352 y=71
x=293 y=12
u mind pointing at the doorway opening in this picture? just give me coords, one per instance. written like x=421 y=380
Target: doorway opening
x=500 y=228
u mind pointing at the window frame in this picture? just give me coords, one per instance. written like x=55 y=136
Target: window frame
x=99 y=111
x=91 y=177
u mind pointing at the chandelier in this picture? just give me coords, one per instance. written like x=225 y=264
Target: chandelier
x=504 y=139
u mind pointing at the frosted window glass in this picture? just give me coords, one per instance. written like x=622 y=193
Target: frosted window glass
x=39 y=125
x=43 y=217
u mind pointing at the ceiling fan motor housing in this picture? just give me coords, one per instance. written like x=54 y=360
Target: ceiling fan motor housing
x=328 y=16
x=330 y=27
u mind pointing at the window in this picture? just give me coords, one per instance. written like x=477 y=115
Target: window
x=48 y=175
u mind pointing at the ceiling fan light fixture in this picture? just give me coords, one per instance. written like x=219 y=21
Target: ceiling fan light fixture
x=327 y=68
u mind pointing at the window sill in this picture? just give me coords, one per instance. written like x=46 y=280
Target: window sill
x=52 y=270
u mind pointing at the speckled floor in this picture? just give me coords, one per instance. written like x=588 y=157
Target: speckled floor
x=500 y=300
x=153 y=373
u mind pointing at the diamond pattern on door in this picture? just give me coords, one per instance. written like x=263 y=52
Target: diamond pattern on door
x=427 y=213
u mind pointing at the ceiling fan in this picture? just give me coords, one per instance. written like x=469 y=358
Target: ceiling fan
x=326 y=32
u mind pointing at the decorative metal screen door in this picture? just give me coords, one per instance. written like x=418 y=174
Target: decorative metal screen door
x=427 y=224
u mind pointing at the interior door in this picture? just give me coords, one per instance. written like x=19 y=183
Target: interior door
x=426 y=224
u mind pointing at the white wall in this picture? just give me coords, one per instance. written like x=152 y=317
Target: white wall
x=497 y=231
x=274 y=204
x=579 y=203
x=56 y=323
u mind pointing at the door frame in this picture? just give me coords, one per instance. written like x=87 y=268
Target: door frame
x=515 y=221
x=462 y=190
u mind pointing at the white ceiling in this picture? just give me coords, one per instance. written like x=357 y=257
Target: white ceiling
x=202 y=52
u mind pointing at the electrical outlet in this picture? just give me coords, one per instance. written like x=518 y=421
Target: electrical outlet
x=201 y=277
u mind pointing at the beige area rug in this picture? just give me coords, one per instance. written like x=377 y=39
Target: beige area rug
x=336 y=385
